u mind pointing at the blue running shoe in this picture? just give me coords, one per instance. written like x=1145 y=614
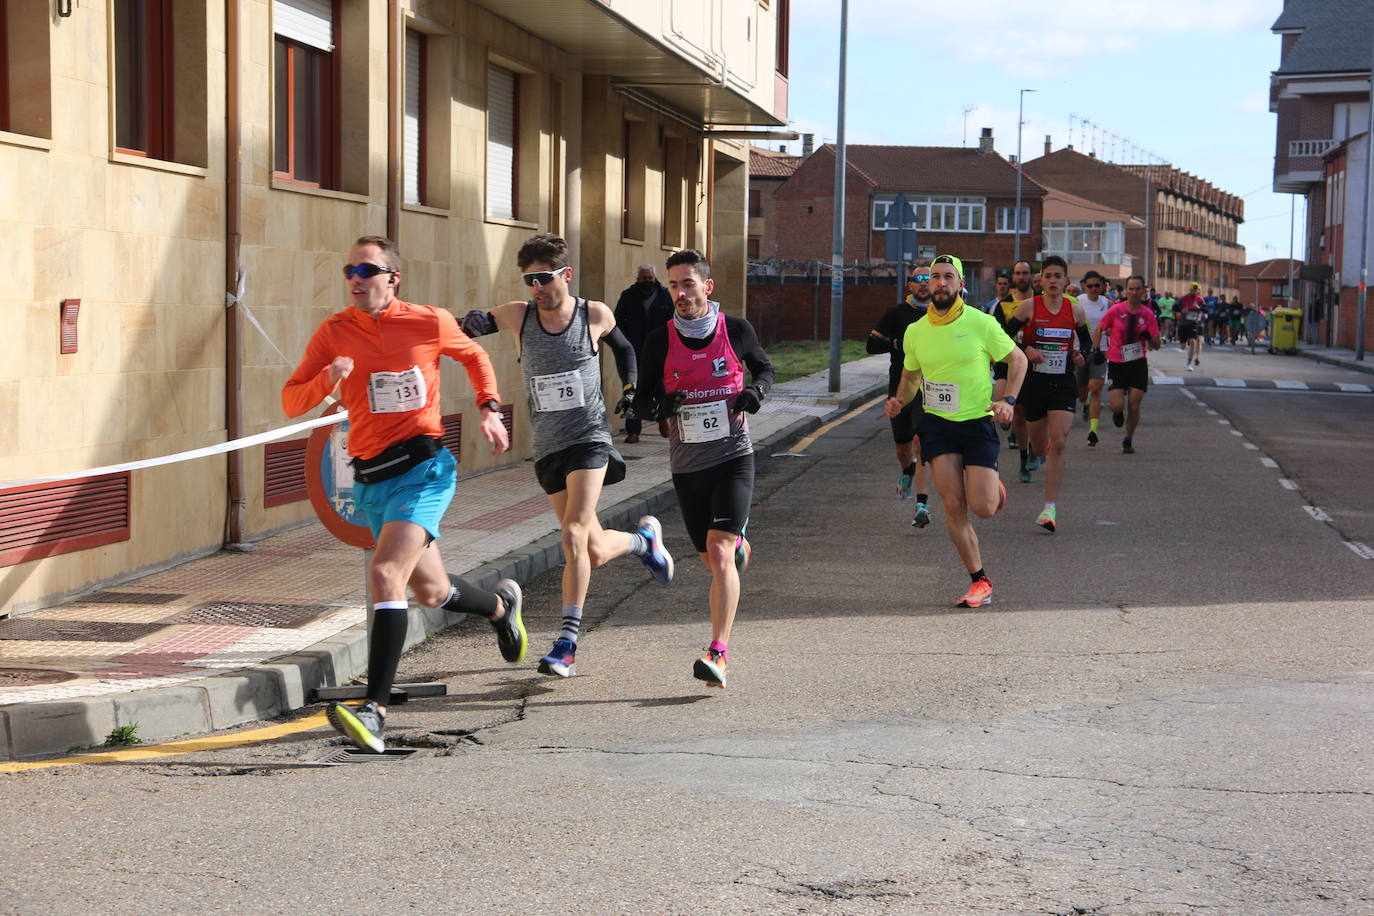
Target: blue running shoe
x=561 y=660
x=904 y=487
x=361 y=726
x=742 y=553
x=922 y=516
x=658 y=560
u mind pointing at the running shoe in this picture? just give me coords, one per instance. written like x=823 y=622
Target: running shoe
x=978 y=594
x=657 y=560
x=361 y=726
x=561 y=660
x=1025 y=474
x=742 y=552
x=1118 y=419
x=1126 y=447
x=1011 y=441
x=1046 y=520
x=510 y=629
x=710 y=668
x=1092 y=437
x=904 y=486
x=922 y=516
x=1085 y=410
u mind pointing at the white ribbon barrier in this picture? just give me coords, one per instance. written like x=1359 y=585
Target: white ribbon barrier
x=232 y=445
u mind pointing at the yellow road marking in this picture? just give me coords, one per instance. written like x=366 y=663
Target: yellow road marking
x=805 y=443
x=152 y=752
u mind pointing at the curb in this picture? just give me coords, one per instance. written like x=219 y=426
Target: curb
x=1337 y=361
x=284 y=684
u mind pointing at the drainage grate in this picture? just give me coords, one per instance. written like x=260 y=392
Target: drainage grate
x=131 y=598
x=31 y=677
x=354 y=755
x=249 y=614
x=76 y=630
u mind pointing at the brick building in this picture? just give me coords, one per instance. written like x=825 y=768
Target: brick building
x=1265 y=283
x=962 y=198
x=1320 y=93
x=1192 y=224
x=768 y=170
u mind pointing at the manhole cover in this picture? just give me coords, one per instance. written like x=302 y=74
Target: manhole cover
x=248 y=614
x=76 y=630
x=131 y=598
x=354 y=755
x=32 y=677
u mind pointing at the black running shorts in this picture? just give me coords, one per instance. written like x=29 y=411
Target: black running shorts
x=905 y=423
x=1041 y=393
x=716 y=498
x=552 y=470
x=1187 y=330
x=974 y=440
x=1135 y=374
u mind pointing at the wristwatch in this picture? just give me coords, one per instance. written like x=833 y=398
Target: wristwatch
x=492 y=405
x=1010 y=399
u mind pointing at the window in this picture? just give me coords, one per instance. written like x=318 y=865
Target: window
x=414 y=134
x=1005 y=220
x=632 y=180
x=755 y=202
x=936 y=214
x=503 y=121
x=1279 y=290
x=753 y=248
x=784 y=36
x=144 y=86
x=1080 y=242
x=674 y=189
x=305 y=144
x=4 y=68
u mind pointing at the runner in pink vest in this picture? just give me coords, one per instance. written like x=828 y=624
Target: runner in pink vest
x=699 y=358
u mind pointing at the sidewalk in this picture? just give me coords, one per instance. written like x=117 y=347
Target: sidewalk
x=238 y=637
x=1338 y=356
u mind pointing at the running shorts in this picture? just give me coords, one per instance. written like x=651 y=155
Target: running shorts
x=974 y=440
x=420 y=496
x=1042 y=393
x=904 y=424
x=716 y=498
x=1134 y=374
x=1187 y=330
x=1090 y=370
x=552 y=470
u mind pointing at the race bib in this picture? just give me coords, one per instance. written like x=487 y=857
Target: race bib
x=1056 y=362
x=1132 y=351
x=705 y=422
x=396 y=392
x=560 y=391
x=941 y=396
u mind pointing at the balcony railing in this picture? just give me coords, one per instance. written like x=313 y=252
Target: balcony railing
x=1307 y=148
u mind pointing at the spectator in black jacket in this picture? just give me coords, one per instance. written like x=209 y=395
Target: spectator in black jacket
x=644 y=306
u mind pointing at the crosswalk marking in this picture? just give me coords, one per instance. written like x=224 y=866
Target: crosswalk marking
x=1362 y=550
x=1269 y=462
x=1316 y=513
x=1295 y=386
x=1229 y=382
x=1353 y=386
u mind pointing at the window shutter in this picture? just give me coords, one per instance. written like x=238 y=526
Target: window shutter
x=310 y=22
x=500 y=143
x=410 y=142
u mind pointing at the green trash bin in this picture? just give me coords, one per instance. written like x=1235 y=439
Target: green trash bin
x=1283 y=330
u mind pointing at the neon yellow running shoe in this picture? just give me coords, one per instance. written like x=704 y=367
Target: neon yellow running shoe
x=1046 y=519
x=361 y=726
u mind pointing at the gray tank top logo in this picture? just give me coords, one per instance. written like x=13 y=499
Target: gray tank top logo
x=562 y=382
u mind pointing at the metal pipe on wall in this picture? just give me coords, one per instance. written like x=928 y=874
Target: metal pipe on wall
x=395 y=120
x=233 y=346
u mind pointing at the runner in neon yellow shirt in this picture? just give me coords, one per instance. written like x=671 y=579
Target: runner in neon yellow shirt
x=947 y=356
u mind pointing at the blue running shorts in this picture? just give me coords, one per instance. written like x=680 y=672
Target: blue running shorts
x=420 y=495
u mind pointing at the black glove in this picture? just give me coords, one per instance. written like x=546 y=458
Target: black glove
x=477 y=323
x=1099 y=357
x=748 y=401
x=670 y=405
x=625 y=405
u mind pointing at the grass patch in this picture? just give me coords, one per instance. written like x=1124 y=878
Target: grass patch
x=795 y=358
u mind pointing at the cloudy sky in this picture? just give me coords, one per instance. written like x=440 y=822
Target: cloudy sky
x=1185 y=80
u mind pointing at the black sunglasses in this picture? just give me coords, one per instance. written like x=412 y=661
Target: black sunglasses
x=365 y=271
x=542 y=277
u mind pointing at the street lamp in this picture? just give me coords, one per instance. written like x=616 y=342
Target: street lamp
x=1020 y=120
x=837 y=233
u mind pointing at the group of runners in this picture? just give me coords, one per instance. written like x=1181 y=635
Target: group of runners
x=381 y=357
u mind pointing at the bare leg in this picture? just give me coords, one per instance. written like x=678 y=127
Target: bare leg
x=1054 y=432
x=586 y=545
x=724 y=597
x=948 y=472
x=1133 y=415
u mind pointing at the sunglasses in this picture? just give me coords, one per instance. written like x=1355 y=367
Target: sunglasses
x=542 y=277
x=920 y=278
x=365 y=271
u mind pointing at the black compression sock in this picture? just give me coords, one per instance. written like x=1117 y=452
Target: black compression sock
x=1023 y=459
x=384 y=646
x=923 y=497
x=980 y=574
x=469 y=599
x=910 y=470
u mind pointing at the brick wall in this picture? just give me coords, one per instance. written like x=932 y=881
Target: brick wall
x=801 y=311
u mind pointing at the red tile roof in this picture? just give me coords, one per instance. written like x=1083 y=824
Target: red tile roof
x=766 y=163
x=942 y=169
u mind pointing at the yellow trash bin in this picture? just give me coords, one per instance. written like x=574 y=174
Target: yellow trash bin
x=1283 y=330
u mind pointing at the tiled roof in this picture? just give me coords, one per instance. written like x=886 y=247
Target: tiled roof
x=942 y=169
x=766 y=163
x=1335 y=36
x=1274 y=268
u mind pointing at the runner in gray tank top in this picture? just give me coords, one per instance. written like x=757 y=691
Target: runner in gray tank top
x=557 y=336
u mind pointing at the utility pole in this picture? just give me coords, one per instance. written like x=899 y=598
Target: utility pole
x=1364 y=231
x=1020 y=121
x=837 y=237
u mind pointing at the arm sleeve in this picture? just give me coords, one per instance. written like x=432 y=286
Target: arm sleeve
x=625 y=362
x=456 y=345
x=747 y=347
x=651 y=358
x=877 y=345
x=1085 y=338
x=309 y=384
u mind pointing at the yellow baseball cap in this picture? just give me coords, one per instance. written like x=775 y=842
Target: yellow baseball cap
x=950 y=259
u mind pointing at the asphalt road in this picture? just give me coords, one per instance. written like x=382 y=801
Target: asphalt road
x=1166 y=710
